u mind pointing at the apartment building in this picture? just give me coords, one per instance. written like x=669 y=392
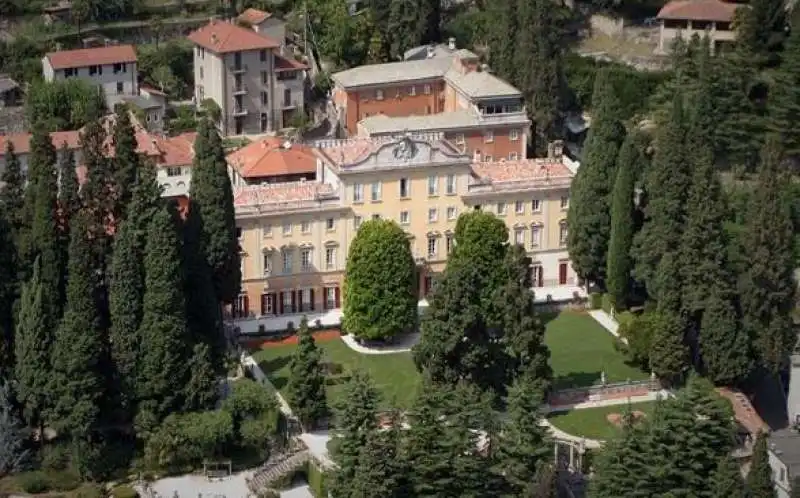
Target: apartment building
x=295 y=235
x=113 y=68
x=447 y=92
x=686 y=18
x=257 y=87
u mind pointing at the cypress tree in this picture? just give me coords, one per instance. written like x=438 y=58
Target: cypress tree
x=44 y=245
x=724 y=343
x=14 y=452
x=126 y=287
x=623 y=463
x=162 y=370
x=523 y=446
x=380 y=294
x=667 y=185
x=619 y=263
x=41 y=178
x=784 y=94
x=726 y=481
x=590 y=200
x=759 y=30
x=305 y=391
x=32 y=349
x=42 y=157
x=202 y=389
x=126 y=160
x=759 y=479
x=8 y=295
x=502 y=45
x=767 y=290
x=12 y=195
x=212 y=199
x=669 y=357
x=68 y=199
x=355 y=414
x=79 y=347
x=146 y=200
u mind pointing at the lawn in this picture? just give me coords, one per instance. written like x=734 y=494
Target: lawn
x=393 y=374
x=592 y=422
x=580 y=349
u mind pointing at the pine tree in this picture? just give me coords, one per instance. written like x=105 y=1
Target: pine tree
x=724 y=343
x=590 y=196
x=381 y=472
x=212 y=199
x=202 y=390
x=619 y=263
x=381 y=292
x=667 y=185
x=12 y=195
x=305 y=391
x=726 y=481
x=79 y=349
x=162 y=370
x=126 y=160
x=13 y=438
x=8 y=295
x=623 y=463
x=32 y=350
x=356 y=416
x=784 y=95
x=524 y=446
x=125 y=290
x=759 y=30
x=759 y=479
x=41 y=178
x=146 y=200
x=767 y=288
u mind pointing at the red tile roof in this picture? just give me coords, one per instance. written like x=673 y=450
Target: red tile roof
x=698 y=10
x=284 y=64
x=222 y=37
x=743 y=411
x=22 y=141
x=92 y=56
x=177 y=150
x=278 y=196
x=271 y=157
x=521 y=170
x=254 y=16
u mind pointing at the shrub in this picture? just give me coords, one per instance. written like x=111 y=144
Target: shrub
x=269 y=493
x=124 y=492
x=639 y=333
x=606 y=304
x=331 y=368
x=93 y=491
x=55 y=457
x=595 y=300
x=63 y=480
x=316 y=481
x=34 y=482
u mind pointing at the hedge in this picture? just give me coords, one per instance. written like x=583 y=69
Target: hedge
x=124 y=492
x=316 y=481
x=595 y=300
x=606 y=304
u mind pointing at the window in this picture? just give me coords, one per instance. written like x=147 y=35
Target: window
x=330 y=258
x=404 y=217
x=201 y=93
x=120 y=88
x=488 y=158
x=519 y=207
x=330 y=298
x=356 y=222
x=513 y=156
x=513 y=135
x=267 y=304
x=564 y=202
x=412 y=90
x=427 y=89
x=287 y=97
x=501 y=208
x=305 y=259
x=121 y=67
x=488 y=137
x=201 y=52
x=174 y=171
x=433 y=214
x=287 y=261
x=287 y=302
x=264 y=122
x=93 y=70
x=451 y=184
x=450 y=242
x=267 y=262
x=376 y=191
x=519 y=236
x=264 y=78
x=432 y=246
x=562 y=233
x=264 y=99
x=305 y=226
x=358 y=192
x=330 y=224
x=70 y=71
x=262 y=56
x=476 y=156
x=433 y=185
x=536 y=236
x=238 y=232
x=287 y=228
x=451 y=213
x=266 y=230
x=200 y=70
x=241 y=308
x=536 y=206
x=405 y=188
x=378 y=94
x=460 y=139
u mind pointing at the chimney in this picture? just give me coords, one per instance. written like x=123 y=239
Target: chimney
x=451 y=43
x=214 y=38
x=555 y=150
x=430 y=52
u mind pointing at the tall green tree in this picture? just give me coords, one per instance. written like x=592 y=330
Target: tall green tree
x=68 y=199
x=202 y=387
x=405 y=27
x=623 y=462
x=41 y=178
x=590 y=196
x=381 y=471
x=8 y=295
x=760 y=31
x=162 y=370
x=502 y=42
x=784 y=94
x=79 y=349
x=759 y=479
x=724 y=344
x=12 y=195
x=767 y=288
x=306 y=388
x=126 y=162
x=355 y=415
x=212 y=198
x=380 y=283
x=13 y=437
x=669 y=356
x=726 y=481
x=619 y=263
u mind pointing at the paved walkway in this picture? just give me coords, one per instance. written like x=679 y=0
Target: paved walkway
x=403 y=345
x=608 y=323
x=622 y=400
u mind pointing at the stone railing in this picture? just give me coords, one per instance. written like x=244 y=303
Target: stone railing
x=598 y=392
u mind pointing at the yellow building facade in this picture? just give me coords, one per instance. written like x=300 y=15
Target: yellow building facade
x=295 y=237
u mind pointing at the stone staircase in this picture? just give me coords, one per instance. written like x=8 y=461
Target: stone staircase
x=275 y=468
